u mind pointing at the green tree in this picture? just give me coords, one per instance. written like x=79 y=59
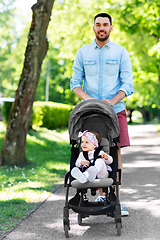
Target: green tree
x=59 y=88
x=7 y=41
x=12 y=46
x=13 y=149
x=140 y=19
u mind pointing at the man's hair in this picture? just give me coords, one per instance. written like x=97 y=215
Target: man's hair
x=103 y=15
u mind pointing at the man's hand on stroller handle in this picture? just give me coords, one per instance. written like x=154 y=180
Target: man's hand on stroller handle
x=117 y=98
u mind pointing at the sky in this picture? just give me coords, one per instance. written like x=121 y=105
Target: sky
x=24 y=8
x=25 y=5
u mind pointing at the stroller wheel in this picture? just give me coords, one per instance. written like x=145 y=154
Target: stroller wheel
x=79 y=219
x=118 y=225
x=66 y=230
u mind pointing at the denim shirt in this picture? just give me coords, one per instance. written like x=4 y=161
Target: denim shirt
x=103 y=72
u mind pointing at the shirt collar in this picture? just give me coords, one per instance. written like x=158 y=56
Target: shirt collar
x=106 y=45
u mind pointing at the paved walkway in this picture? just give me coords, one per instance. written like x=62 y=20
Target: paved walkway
x=140 y=194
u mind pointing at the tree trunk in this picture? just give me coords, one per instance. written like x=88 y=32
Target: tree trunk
x=145 y=114
x=13 y=150
x=130 y=111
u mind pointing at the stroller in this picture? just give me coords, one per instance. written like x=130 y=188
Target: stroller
x=96 y=115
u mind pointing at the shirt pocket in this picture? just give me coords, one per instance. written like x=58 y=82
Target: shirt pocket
x=90 y=67
x=111 y=67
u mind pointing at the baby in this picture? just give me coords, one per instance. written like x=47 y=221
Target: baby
x=92 y=162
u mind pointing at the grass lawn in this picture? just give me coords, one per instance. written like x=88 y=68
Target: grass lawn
x=23 y=189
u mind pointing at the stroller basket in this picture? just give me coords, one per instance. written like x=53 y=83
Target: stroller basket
x=94 y=115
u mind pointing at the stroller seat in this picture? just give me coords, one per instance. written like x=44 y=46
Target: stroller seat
x=96 y=115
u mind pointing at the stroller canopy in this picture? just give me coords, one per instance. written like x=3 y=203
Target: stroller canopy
x=93 y=114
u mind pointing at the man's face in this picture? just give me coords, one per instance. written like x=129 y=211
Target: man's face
x=102 y=28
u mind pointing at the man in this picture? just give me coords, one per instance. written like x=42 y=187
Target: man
x=105 y=70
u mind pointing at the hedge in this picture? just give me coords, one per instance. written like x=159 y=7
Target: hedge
x=5 y=110
x=50 y=115
x=45 y=114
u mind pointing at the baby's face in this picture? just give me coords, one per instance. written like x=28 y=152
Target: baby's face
x=87 y=145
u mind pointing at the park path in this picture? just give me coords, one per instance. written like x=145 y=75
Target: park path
x=140 y=194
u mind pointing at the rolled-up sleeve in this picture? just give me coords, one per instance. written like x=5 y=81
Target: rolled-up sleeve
x=78 y=71
x=126 y=76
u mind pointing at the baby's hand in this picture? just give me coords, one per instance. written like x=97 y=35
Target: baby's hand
x=105 y=156
x=85 y=163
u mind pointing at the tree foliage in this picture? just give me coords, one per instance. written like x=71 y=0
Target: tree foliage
x=141 y=21
x=7 y=41
x=136 y=27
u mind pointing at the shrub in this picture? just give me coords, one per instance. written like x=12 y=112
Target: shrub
x=45 y=114
x=50 y=115
x=5 y=110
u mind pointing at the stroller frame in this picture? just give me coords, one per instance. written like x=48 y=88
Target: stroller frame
x=80 y=203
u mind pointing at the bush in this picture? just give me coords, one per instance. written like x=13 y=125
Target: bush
x=5 y=110
x=45 y=114
x=50 y=115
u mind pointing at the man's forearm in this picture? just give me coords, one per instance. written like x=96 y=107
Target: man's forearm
x=119 y=96
x=81 y=94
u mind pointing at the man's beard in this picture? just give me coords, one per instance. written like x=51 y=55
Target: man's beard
x=103 y=39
